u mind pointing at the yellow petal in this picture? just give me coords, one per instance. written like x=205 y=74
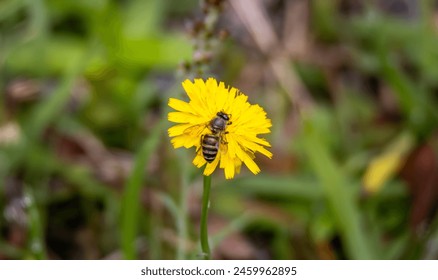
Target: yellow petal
x=229 y=169
x=253 y=146
x=191 y=90
x=380 y=170
x=178 y=129
x=178 y=141
x=181 y=117
x=384 y=166
x=246 y=158
x=211 y=166
x=199 y=160
x=180 y=105
x=237 y=165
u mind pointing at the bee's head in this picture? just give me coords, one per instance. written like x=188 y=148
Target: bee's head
x=223 y=115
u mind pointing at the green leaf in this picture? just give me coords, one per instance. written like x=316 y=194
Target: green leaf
x=338 y=194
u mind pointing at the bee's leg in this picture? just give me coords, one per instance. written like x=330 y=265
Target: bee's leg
x=223 y=138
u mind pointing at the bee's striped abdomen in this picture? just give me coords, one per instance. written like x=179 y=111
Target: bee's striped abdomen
x=210 y=147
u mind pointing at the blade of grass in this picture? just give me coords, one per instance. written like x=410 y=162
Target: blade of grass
x=276 y=186
x=47 y=111
x=179 y=219
x=339 y=197
x=36 y=234
x=235 y=225
x=130 y=202
x=413 y=99
x=44 y=113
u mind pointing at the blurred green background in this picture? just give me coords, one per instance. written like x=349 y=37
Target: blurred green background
x=87 y=170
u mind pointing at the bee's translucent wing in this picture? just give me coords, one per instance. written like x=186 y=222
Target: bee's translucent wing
x=195 y=130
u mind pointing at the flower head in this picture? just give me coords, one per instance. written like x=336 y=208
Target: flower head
x=221 y=124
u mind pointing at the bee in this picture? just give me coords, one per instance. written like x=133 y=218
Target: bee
x=210 y=142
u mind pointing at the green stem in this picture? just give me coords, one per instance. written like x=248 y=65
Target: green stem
x=204 y=214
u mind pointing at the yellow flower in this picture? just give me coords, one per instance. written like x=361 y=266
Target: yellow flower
x=237 y=143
